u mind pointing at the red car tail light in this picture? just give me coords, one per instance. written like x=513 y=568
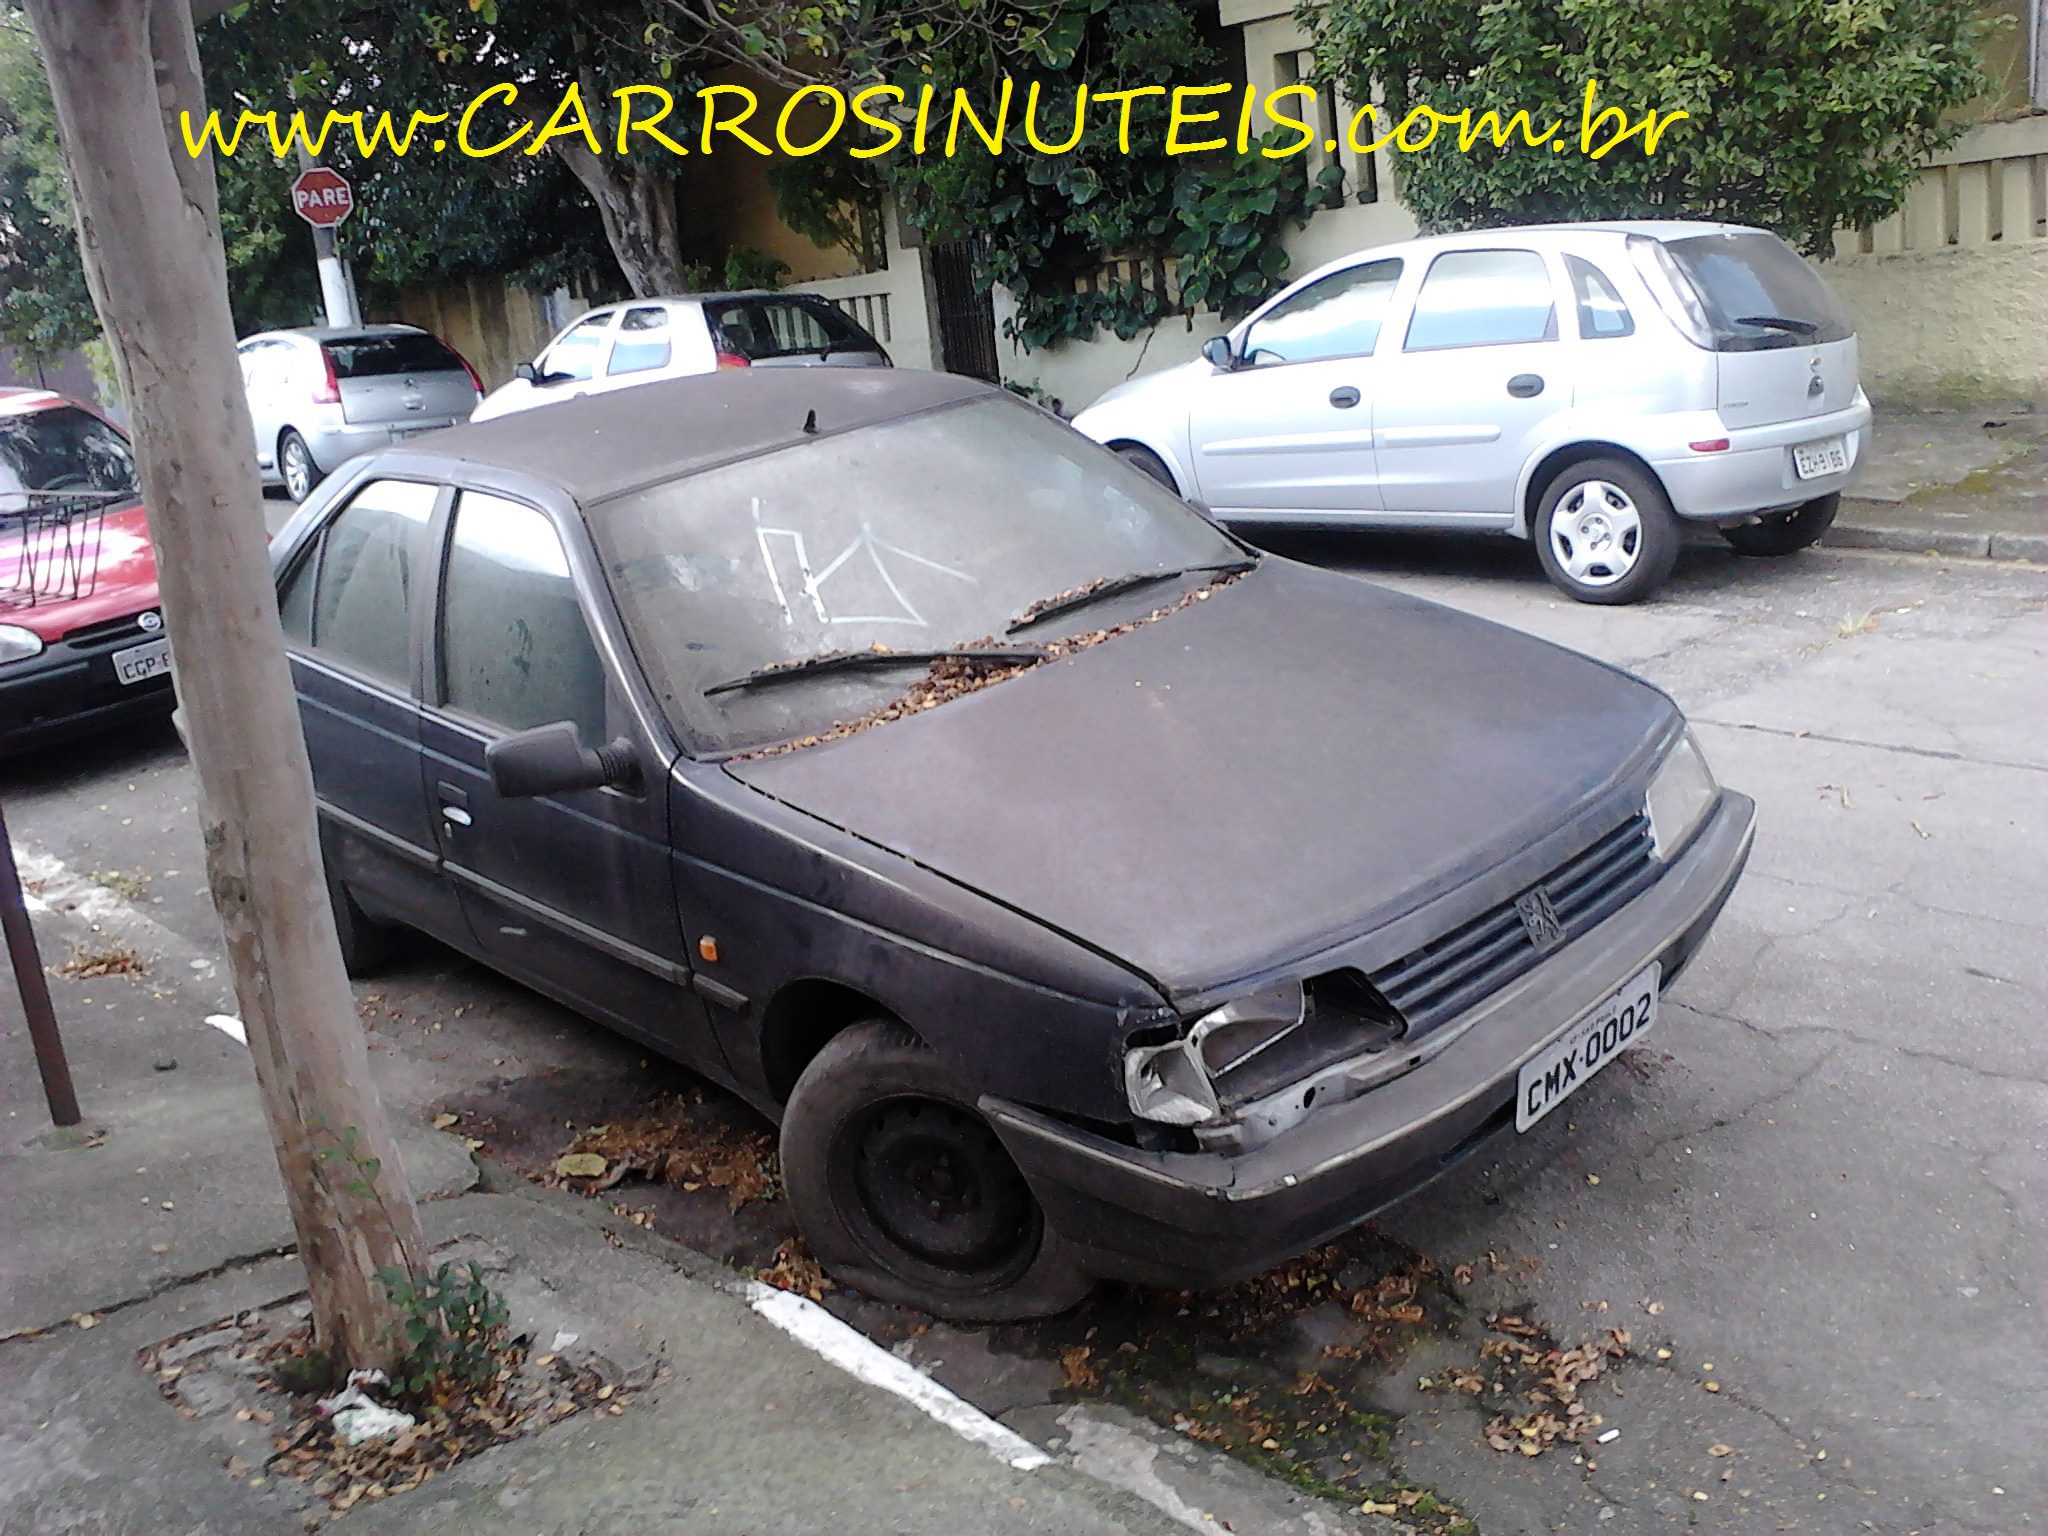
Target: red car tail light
x=329 y=392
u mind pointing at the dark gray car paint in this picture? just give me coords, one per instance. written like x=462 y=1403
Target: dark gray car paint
x=1294 y=761
x=1298 y=763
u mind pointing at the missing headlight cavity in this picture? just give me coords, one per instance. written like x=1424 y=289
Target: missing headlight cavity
x=1346 y=1018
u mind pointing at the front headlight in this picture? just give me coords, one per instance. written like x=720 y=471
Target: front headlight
x=18 y=644
x=1681 y=793
x=1175 y=1083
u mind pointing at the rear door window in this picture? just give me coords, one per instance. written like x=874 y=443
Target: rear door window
x=377 y=357
x=1337 y=316
x=1484 y=299
x=1602 y=312
x=642 y=344
x=760 y=329
x=1758 y=293
x=366 y=573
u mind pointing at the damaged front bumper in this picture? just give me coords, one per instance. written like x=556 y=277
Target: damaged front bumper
x=1201 y=1219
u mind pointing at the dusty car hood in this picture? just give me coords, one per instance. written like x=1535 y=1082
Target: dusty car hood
x=1281 y=766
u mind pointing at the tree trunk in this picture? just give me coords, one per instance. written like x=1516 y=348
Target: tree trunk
x=637 y=203
x=149 y=231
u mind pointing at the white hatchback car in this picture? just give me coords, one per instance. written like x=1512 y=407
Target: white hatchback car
x=637 y=342
x=1587 y=386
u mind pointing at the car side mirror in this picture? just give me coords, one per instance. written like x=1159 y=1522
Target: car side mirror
x=527 y=372
x=1217 y=351
x=551 y=760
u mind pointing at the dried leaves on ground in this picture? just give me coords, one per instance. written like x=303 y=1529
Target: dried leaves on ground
x=793 y=1269
x=230 y=1373
x=90 y=964
x=670 y=1145
x=1534 y=1384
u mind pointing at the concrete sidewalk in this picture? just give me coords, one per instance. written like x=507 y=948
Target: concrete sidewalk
x=1965 y=482
x=166 y=1215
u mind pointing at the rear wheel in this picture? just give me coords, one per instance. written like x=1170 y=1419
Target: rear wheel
x=1605 y=532
x=1145 y=460
x=903 y=1189
x=1785 y=533
x=367 y=946
x=296 y=466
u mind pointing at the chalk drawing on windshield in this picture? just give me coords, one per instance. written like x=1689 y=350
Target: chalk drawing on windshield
x=786 y=557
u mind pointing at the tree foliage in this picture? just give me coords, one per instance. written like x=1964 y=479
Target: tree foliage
x=1054 y=220
x=44 y=307
x=425 y=217
x=1806 y=115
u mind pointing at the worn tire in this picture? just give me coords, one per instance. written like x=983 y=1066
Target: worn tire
x=367 y=946
x=1146 y=462
x=851 y=1124
x=1785 y=533
x=1656 y=535
x=296 y=467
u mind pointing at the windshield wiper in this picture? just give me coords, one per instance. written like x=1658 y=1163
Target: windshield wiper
x=1779 y=323
x=845 y=661
x=1110 y=586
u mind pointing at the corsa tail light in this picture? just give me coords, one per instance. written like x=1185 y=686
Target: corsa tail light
x=329 y=392
x=726 y=358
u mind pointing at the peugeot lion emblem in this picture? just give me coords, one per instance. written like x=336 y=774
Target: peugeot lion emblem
x=1540 y=918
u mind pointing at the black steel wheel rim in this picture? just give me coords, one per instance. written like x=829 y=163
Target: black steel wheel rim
x=931 y=1181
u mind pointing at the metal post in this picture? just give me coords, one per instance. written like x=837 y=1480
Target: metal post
x=35 y=990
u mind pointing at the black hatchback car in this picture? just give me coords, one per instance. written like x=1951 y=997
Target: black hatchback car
x=1086 y=894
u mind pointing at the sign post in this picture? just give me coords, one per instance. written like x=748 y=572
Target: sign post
x=323 y=199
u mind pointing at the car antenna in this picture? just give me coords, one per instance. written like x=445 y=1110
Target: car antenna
x=811 y=423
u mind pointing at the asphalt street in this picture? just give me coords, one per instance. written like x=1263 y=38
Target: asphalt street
x=1820 y=1190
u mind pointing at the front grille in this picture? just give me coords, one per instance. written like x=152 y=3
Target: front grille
x=105 y=631
x=1451 y=972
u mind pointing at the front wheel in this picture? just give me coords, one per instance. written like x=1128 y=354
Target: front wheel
x=1606 y=533
x=902 y=1189
x=296 y=465
x=1785 y=533
x=1146 y=462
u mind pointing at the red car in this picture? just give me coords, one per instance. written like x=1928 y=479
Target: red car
x=81 y=637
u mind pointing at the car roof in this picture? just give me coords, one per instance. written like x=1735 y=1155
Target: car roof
x=18 y=399
x=333 y=333
x=605 y=445
x=795 y=294
x=1566 y=233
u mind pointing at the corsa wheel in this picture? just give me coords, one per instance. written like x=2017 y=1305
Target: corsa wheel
x=1605 y=532
x=296 y=467
x=1785 y=533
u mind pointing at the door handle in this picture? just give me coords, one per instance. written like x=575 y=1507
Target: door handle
x=1344 y=397
x=1526 y=386
x=455 y=815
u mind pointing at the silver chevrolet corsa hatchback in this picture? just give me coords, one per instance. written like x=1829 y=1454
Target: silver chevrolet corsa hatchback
x=1589 y=387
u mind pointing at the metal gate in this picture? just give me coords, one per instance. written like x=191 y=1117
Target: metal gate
x=967 y=316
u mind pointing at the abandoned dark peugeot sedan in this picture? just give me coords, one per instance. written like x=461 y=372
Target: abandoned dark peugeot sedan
x=1086 y=894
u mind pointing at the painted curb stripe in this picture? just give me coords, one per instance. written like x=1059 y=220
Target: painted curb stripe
x=860 y=1357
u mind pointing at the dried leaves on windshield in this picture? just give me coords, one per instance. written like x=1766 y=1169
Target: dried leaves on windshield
x=952 y=677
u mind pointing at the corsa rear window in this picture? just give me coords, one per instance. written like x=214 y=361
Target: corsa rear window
x=376 y=357
x=765 y=328
x=1759 y=294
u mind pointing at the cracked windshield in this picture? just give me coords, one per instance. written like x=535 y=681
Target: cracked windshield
x=928 y=534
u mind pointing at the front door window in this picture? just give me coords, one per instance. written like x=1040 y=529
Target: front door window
x=515 y=650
